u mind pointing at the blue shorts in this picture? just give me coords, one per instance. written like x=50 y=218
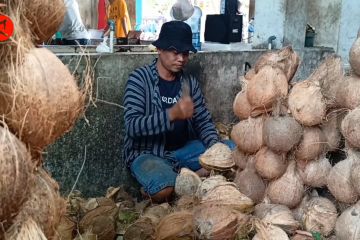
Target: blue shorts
x=155 y=173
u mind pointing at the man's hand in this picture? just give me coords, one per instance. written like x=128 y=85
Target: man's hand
x=183 y=109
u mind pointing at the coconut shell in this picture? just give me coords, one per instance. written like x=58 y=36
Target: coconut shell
x=285 y=59
x=281 y=133
x=16 y=175
x=278 y=215
x=218 y=156
x=239 y=158
x=250 y=183
x=44 y=206
x=312 y=145
x=288 y=189
x=354 y=57
x=187 y=182
x=320 y=216
x=269 y=164
x=339 y=181
x=267 y=231
x=307 y=103
x=210 y=183
x=350 y=128
x=266 y=86
x=27 y=229
x=316 y=172
x=215 y=222
x=348 y=224
x=248 y=134
x=40 y=99
x=177 y=225
x=331 y=131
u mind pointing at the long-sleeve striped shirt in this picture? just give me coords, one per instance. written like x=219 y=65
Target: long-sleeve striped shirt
x=146 y=121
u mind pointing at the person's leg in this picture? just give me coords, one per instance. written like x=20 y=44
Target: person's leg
x=156 y=175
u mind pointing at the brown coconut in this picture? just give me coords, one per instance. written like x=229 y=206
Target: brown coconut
x=267 y=231
x=239 y=158
x=285 y=59
x=241 y=105
x=339 y=181
x=269 y=164
x=16 y=174
x=218 y=157
x=347 y=92
x=355 y=177
x=281 y=133
x=320 y=215
x=215 y=222
x=267 y=85
x=331 y=131
x=306 y=103
x=210 y=183
x=348 y=224
x=350 y=128
x=354 y=57
x=26 y=229
x=177 y=225
x=249 y=74
x=316 y=172
x=186 y=202
x=187 y=182
x=40 y=99
x=288 y=189
x=248 y=134
x=250 y=183
x=44 y=206
x=312 y=145
x=278 y=215
x=65 y=229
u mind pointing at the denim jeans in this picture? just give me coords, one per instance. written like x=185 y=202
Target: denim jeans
x=155 y=173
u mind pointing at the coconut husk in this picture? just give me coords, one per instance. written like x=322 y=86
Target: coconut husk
x=355 y=177
x=239 y=158
x=285 y=59
x=331 y=131
x=93 y=203
x=316 y=172
x=218 y=157
x=250 y=183
x=44 y=206
x=302 y=235
x=278 y=215
x=269 y=164
x=354 y=57
x=187 y=182
x=248 y=134
x=228 y=195
x=267 y=231
x=306 y=103
x=40 y=100
x=65 y=229
x=177 y=225
x=16 y=175
x=348 y=224
x=157 y=212
x=186 y=202
x=250 y=74
x=347 y=92
x=245 y=225
x=351 y=129
x=281 y=133
x=265 y=87
x=312 y=145
x=288 y=189
x=210 y=183
x=215 y=222
x=320 y=216
x=26 y=229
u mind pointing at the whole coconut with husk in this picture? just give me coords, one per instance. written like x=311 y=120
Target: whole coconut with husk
x=331 y=131
x=210 y=183
x=354 y=57
x=306 y=103
x=248 y=134
x=186 y=202
x=241 y=106
x=44 y=206
x=26 y=229
x=269 y=164
x=187 y=182
x=217 y=157
x=288 y=189
x=312 y=144
x=267 y=85
x=316 y=172
x=278 y=215
x=339 y=180
x=347 y=92
x=348 y=223
x=281 y=133
x=239 y=158
x=285 y=59
x=350 y=128
x=250 y=183
x=267 y=231
x=15 y=174
x=41 y=100
x=355 y=177
x=177 y=225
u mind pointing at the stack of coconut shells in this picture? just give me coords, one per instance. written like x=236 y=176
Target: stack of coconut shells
x=39 y=102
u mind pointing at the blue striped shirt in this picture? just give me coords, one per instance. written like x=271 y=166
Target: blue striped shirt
x=146 y=121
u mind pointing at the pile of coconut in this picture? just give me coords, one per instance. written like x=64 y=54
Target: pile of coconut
x=39 y=102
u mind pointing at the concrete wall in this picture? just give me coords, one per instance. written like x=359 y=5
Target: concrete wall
x=101 y=130
x=295 y=19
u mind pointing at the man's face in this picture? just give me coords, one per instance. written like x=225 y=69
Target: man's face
x=172 y=60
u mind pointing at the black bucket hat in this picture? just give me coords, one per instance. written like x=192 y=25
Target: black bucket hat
x=175 y=35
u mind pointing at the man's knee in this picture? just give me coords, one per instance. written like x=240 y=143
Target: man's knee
x=164 y=195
